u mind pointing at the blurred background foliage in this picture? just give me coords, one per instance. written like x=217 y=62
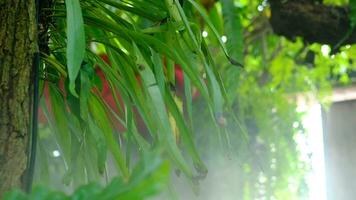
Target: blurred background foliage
x=152 y=92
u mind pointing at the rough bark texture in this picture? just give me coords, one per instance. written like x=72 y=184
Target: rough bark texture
x=17 y=47
x=311 y=20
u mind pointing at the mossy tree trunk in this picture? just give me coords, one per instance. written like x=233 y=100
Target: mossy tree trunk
x=17 y=48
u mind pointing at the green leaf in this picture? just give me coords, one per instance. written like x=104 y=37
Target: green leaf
x=233 y=30
x=165 y=132
x=75 y=41
x=217 y=20
x=352 y=4
x=232 y=59
x=85 y=86
x=15 y=194
x=234 y=43
x=151 y=176
x=86 y=192
x=99 y=114
x=44 y=193
x=101 y=146
x=178 y=116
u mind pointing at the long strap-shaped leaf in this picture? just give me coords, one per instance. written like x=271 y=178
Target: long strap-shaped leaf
x=215 y=92
x=75 y=41
x=205 y=16
x=233 y=30
x=173 y=109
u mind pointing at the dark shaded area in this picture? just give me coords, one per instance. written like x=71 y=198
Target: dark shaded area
x=312 y=21
x=44 y=22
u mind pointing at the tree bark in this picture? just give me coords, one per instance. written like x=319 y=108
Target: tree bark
x=17 y=48
x=313 y=21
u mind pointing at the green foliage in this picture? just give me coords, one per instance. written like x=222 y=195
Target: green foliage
x=150 y=176
x=138 y=42
x=246 y=115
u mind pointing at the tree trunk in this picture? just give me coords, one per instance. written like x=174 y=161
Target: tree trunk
x=17 y=48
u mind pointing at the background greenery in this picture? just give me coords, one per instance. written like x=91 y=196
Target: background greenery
x=162 y=131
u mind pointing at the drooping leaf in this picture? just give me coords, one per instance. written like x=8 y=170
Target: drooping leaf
x=99 y=115
x=234 y=42
x=75 y=41
x=233 y=30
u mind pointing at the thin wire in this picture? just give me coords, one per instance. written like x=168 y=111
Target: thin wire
x=34 y=131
